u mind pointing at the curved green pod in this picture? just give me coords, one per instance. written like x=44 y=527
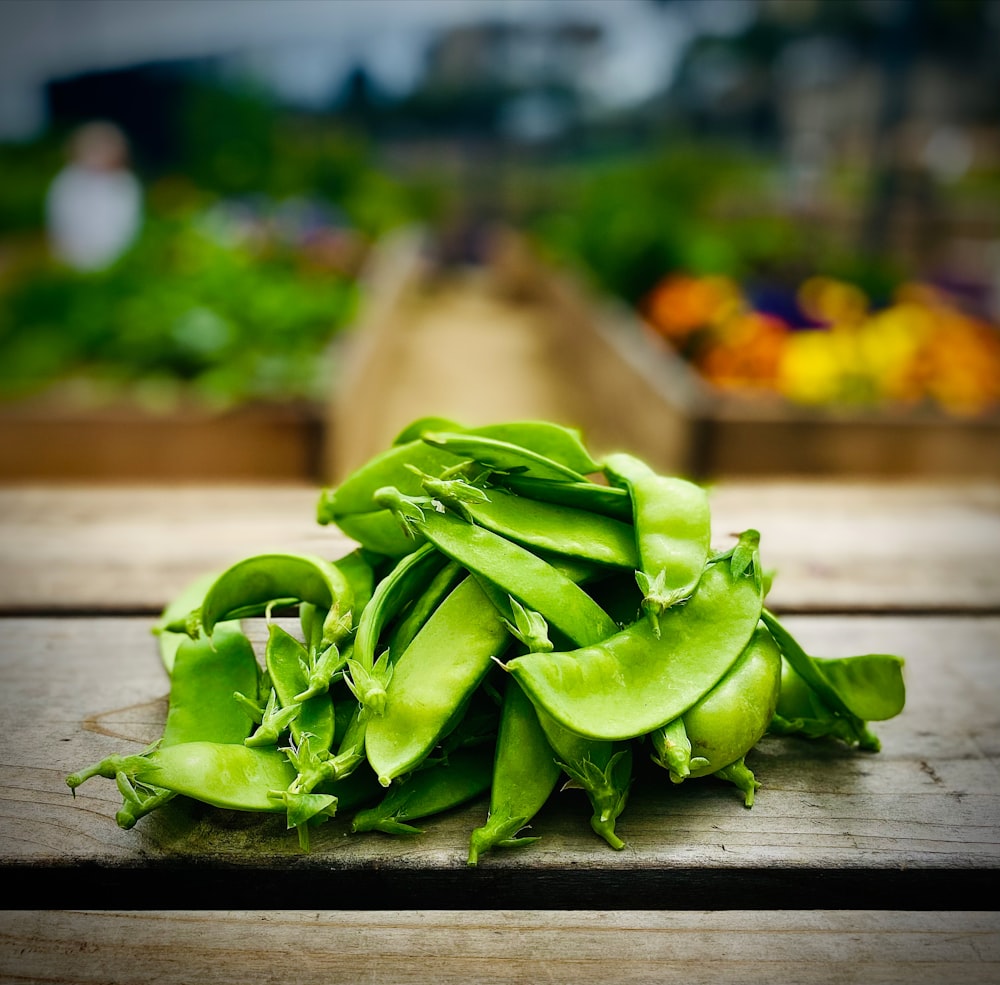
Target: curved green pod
x=672 y=528
x=719 y=730
x=503 y=456
x=534 y=582
x=399 y=586
x=465 y=774
x=595 y=497
x=548 y=527
x=835 y=696
x=170 y=628
x=637 y=680
x=418 y=447
x=266 y=578
x=433 y=679
x=232 y=776
x=525 y=773
x=287 y=665
x=731 y=719
x=206 y=673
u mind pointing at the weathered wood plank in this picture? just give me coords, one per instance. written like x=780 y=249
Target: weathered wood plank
x=915 y=826
x=836 y=546
x=521 y=947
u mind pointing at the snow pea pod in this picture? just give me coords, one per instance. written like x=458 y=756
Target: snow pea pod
x=534 y=582
x=359 y=567
x=835 y=696
x=174 y=614
x=350 y=504
x=438 y=788
x=266 y=578
x=227 y=775
x=415 y=428
x=201 y=708
x=286 y=662
x=537 y=438
x=439 y=587
x=503 y=456
x=206 y=673
x=728 y=722
x=525 y=773
x=611 y=501
x=390 y=595
x=637 y=679
x=433 y=679
x=602 y=769
x=543 y=526
x=672 y=528
x=369 y=677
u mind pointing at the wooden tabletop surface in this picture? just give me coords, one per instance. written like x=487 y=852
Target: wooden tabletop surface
x=850 y=866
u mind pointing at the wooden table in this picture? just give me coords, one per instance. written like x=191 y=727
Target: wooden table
x=850 y=867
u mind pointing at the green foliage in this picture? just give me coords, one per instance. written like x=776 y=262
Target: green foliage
x=183 y=307
x=27 y=170
x=696 y=207
x=629 y=221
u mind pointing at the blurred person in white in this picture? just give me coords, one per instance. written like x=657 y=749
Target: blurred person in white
x=94 y=205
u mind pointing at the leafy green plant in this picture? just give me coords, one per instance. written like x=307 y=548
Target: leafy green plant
x=184 y=308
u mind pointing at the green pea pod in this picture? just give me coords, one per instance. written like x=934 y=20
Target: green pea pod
x=544 y=439
x=525 y=773
x=391 y=467
x=871 y=684
x=545 y=526
x=206 y=674
x=602 y=769
x=413 y=619
x=266 y=578
x=594 y=497
x=503 y=456
x=534 y=582
x=441 y=787
x=174 y=614
x=672 y=529
x=433 y=680
x=397 y=588
x=201 y=708
x=287 y=665
x=845 y=691
x=728 y=722
x=359 y=568
x=226 y=775
x=637 y=680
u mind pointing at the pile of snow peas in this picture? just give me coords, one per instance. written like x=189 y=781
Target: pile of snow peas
x=517 y=619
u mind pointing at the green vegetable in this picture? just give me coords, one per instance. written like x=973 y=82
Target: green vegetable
x=639 y=679
x=525 y=774
x=510 y=625
x=672 y=529
x=433 y=680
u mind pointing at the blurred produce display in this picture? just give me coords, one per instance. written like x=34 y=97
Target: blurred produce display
x=768 y=302
x=832 y=345
x=212 y=303
x=256 y=227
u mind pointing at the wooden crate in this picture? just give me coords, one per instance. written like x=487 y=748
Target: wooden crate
x=52 y=438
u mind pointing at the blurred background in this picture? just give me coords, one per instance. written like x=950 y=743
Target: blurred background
x=792 y=208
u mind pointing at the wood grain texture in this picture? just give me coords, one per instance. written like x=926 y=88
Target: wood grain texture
x=858 y=546
x=521 y=947
x=916 y=825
